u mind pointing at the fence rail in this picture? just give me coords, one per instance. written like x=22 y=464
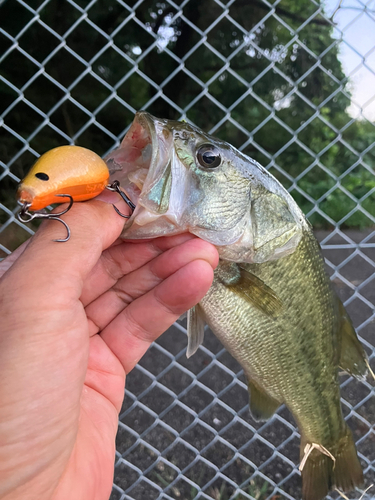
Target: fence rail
x=291 y=83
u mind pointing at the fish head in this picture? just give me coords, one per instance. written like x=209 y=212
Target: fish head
x=184 y=180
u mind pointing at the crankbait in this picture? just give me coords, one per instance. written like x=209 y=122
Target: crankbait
x=66 y=173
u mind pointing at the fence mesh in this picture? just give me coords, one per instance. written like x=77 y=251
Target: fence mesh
x=267 y=77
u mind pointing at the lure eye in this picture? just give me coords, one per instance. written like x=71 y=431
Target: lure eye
x=42 y=176
x=208 y=156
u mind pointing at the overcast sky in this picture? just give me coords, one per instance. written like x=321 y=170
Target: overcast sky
x=357 y=50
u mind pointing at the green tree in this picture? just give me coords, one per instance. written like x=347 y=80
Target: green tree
x=269 y=82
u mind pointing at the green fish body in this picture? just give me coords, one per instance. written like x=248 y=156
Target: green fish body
x=271 y=303
x=291 y=355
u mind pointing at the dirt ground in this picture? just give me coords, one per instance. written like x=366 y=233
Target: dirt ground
x=185 y=429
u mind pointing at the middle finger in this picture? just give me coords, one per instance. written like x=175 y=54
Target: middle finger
x=106 y=307
x=124 y=258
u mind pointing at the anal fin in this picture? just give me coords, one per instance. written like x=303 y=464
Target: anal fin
x=353 y=358
x=262 y=405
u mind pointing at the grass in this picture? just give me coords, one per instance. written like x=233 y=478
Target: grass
x=256 y=489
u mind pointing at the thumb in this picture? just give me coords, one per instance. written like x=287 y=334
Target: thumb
x=50 y=265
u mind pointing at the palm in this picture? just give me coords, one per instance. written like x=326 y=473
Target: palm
x=97 y=426
x=69 y=338
x=104 y=382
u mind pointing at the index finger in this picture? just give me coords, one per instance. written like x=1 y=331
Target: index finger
x=119 y=260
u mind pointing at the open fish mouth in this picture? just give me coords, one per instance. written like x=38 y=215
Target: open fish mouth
x=143 y=165
x=130 y=163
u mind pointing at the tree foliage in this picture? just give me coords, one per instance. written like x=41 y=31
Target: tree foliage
x=267 y=81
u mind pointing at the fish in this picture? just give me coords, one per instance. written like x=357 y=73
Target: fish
x=271 y=303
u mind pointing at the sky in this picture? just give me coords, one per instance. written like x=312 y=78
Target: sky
x=357 y=50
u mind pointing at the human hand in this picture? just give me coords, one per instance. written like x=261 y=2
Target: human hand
x=76 y=317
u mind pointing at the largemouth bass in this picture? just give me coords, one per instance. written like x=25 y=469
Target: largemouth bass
x=271 y=303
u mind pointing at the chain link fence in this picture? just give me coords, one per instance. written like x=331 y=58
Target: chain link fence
x=282 y=81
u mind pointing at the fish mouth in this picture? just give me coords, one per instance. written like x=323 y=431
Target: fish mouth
x=130 y=163
x=142 y=165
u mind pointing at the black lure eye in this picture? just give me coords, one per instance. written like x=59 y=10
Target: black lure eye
x=42 y=176
x=209 y=156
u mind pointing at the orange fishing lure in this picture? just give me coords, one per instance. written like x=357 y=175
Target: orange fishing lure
x=64 y=174
x=69 y=170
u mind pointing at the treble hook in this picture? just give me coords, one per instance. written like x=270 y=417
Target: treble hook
x=25 y=216
x=115 y=186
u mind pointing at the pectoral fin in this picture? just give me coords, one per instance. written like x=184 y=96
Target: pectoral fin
x=262 y=405
x=353 y=358
x=195 y=329
x=254 y=290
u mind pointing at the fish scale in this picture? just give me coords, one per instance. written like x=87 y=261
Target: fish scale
x=270 y=349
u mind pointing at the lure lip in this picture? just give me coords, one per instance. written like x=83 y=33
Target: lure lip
x=25 y=195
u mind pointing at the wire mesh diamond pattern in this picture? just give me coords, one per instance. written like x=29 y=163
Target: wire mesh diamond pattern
x=267 y=77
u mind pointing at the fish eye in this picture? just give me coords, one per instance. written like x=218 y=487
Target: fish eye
x=42 y=176
x=208 y=156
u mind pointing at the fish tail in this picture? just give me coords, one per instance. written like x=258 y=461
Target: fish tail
x=348 y=471
x=325 y=469
x=317 y=472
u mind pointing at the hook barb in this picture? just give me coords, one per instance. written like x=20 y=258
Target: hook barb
x=120 y=213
